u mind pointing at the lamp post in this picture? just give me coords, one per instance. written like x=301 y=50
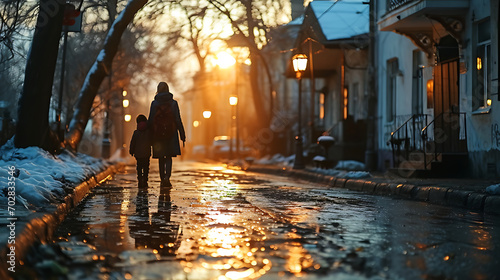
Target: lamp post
x=126 y=119
x=299 y=66
x=206 y=115
x=233 y=101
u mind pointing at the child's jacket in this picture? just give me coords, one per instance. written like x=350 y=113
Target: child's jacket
x=140 y=145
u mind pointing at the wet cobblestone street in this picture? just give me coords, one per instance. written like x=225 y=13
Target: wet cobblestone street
x=219 y=223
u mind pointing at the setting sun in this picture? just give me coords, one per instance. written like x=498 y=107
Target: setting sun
x=225 y=60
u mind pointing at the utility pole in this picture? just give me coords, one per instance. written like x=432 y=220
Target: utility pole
x=371 y=141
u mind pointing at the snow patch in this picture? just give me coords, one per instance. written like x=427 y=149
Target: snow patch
x=342 y=173
x=493 y=189
x=351 y=165
x=349 y=169
x=42 y=178
x=326 y=138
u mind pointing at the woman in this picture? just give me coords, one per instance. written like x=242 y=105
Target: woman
x=163 y=112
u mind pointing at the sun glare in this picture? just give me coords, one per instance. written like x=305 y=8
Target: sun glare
x=225 y=60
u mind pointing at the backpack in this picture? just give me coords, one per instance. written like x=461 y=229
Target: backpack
x=164 y=126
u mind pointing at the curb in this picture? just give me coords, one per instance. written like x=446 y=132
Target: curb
x=440 y=195
x=41 y=228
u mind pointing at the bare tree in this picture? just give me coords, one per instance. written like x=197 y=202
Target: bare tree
x=100 y=69
x=13 y=14
x=33 y=126
x=252 y=28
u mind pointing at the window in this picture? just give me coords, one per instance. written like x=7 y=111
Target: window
x=346 y=103
x=482 y=92
x=430 y=93
x=392 y=73
x=321 y=108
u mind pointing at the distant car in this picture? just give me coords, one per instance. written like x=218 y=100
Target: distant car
x=221 y=148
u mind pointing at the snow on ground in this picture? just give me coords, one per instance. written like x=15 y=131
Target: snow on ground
x=40 y=177
x=343 y=173
x=348 y=169
x=493 y=189
x=350 y=165
x=276 y=159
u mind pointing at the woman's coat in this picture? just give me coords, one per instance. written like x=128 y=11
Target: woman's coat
x=169 y=147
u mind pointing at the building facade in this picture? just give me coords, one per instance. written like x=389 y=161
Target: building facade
x=334 y=36
x=437 y=65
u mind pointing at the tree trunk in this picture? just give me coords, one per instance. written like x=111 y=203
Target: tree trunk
x=98 y=72
x=34 y=103
x=260 y=106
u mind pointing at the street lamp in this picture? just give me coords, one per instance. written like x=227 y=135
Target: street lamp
x=299 y=66
x=206 y=115
x=233 y=101
x=127 y=118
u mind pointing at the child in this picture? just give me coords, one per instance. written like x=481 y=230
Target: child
x=140 y=148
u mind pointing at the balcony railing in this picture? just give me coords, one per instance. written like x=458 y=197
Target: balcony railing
x=394 y=4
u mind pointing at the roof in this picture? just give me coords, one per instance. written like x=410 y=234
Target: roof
x=341 y=19
x=327 y=27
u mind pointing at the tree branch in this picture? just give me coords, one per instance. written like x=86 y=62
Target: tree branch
x=98 y=72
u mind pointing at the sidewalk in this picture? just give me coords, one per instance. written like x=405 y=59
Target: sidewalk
x=465 y=193
x=32 y=227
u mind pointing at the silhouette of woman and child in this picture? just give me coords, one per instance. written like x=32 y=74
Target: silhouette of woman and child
x=148 y=135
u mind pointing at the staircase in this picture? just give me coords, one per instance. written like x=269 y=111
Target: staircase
x=430 y=149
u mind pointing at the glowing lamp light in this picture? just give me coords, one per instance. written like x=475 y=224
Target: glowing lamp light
x=479 y=63
x=196 y=123
x=299 y=62
x=430 y=85
x=125 y=103
x=127 y=117
x=488 y=102
x=124 y=93
x=233 y=100
x=207 y=114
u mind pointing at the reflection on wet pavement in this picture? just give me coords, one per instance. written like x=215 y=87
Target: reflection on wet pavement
x=218 y=223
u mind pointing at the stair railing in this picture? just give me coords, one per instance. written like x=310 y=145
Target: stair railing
x=407 y=136
x=451 y=123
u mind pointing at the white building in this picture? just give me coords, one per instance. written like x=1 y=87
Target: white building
x=437 y=66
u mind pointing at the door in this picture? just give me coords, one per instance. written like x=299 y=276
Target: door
x=446 y=98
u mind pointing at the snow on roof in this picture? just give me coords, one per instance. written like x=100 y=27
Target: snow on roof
x=297 y=21
x=342 y=19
